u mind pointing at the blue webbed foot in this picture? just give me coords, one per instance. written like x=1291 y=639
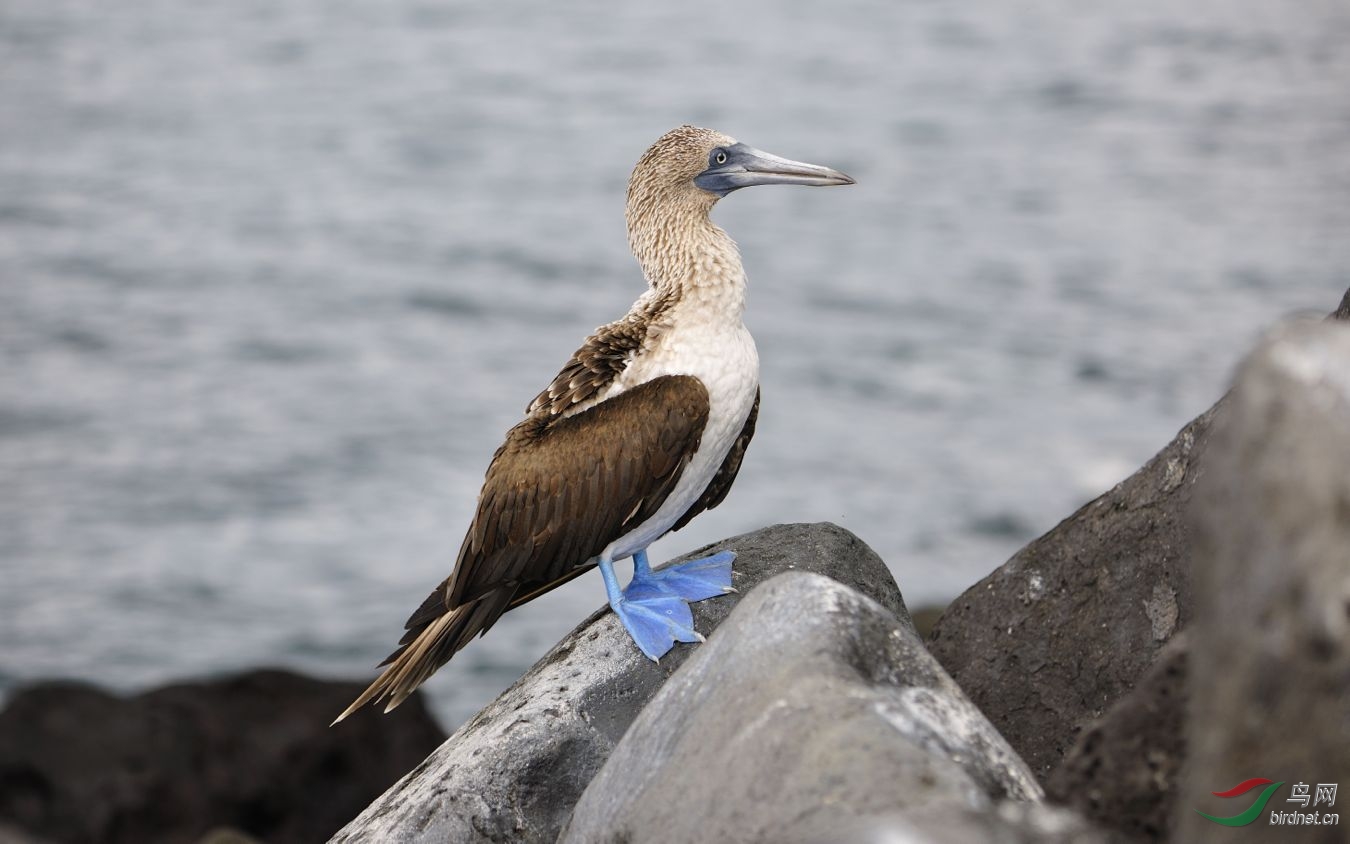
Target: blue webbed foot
x=654 y=607
x=694 y=580
x=655 y=619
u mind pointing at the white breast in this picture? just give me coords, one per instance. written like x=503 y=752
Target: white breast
x=721 y=354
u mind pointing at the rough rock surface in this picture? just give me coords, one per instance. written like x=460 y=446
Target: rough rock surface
x=252 y=751
x=1271 y=636
x=1048 y=641
x=1123 y=771
x=514 y=771
x=811 y=708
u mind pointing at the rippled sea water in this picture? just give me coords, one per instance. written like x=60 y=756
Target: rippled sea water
x=276 y=277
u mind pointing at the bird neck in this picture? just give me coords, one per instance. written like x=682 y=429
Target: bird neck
x=686 y=256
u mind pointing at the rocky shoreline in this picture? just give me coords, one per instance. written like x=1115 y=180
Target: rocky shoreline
x=1187 y=630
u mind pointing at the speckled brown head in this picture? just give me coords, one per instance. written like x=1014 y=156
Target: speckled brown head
x=681 y=176
x=702 y=165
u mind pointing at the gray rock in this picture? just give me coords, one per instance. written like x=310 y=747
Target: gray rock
x=811 y=708
x=1047 y=642
x=1271 y=635
x=514 y=771
x=1122 y=773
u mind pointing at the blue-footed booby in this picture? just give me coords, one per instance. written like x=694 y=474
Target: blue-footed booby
x=642 y=430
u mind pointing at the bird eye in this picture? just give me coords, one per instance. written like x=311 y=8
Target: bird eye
x=719 y=156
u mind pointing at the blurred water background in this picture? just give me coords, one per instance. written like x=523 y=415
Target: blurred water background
x=275 y=277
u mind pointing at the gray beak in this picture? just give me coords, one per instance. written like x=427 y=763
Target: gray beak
x=741 y=166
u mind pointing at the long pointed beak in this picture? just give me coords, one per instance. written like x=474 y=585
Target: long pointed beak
x=746 y=166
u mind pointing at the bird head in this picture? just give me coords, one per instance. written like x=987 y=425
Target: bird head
x=694 y=166
x=676 y=183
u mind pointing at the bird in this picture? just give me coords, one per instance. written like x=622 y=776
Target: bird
x=643 y=429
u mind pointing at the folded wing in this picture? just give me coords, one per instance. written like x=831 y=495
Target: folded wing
x=558 y=491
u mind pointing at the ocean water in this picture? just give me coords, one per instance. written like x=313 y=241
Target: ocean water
x=276 y=277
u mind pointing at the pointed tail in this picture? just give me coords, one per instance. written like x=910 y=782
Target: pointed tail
x=427 y=649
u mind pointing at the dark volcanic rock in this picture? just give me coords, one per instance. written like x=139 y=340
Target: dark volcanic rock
x=810 y=710
x=1123 y=771
x=1048 y=641
x=253 y=752
x=514 y=771
x=1271 y=635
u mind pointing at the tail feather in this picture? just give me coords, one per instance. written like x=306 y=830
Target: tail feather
x=425 y=650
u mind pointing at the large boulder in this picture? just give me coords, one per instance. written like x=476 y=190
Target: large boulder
x=252 y=752
x=514 y=771
x=1047 y=642
x=1271 y=635
x=812 y=709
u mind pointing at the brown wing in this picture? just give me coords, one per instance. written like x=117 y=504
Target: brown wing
x=721 y=483
x=560 y=490
x=557 y=492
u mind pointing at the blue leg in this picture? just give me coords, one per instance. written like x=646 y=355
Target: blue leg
x=694 y=580
x=656 y=619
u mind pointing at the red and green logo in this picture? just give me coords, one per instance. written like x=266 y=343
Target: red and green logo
x=1254 y=811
